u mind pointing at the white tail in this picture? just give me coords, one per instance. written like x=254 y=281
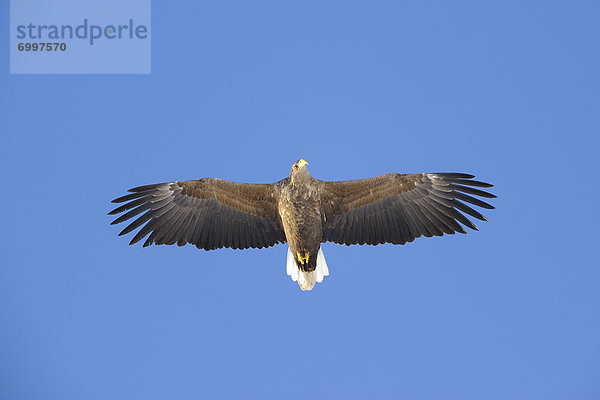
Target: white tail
x=307 y=280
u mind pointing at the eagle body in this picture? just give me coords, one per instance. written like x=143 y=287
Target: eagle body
x=301 y=219
x=212 y=213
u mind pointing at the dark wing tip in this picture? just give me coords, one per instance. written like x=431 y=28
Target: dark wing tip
x=120 y=199
x=463 y=179
x=481 y=184
x=472 y=182
x=128 y=197
x=454 y=175
x=145 y=188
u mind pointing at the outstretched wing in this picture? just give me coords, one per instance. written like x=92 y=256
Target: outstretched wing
x=397 y=208
x=210 y=213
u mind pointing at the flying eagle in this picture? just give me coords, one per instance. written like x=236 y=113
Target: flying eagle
x=212 y=213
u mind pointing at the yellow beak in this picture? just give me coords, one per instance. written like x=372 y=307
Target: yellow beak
x=302 y=162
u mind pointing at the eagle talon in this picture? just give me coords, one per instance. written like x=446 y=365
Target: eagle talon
x=303 y=258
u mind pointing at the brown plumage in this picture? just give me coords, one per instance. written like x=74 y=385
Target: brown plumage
x=211 y=213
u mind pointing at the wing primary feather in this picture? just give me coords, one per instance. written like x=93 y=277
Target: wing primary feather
x=428 y=228
x=129 y=205
x=471 y=182
x=473 y=200
x=146 y=188
x=163 y=223
x=150 y=239
x=437 y=207
x=439 y=223
x=454 y=175
x=184 y=230
x=444 y=201
x=160 y=203
x=433 y=223
x=169 y=226
x=444 y=214
x=473 y=191
x=158 y=213
x=420 y=219
x=464 y=220
x=186 y=236
x=179 y=229
x=417 y=216
x=139 y=221
x=424 y=210
x=128 y=197
x=143 y=232
x=131 y=214
x=466 y=209
x=455 y=214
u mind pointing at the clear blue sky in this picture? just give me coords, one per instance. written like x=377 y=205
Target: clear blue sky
x=508 y=91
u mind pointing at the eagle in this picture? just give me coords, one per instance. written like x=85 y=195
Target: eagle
x=213 y=213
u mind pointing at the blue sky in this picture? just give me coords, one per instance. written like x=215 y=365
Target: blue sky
x=508 y=91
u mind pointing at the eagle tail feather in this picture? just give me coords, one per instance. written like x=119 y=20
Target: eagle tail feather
x=307 y=280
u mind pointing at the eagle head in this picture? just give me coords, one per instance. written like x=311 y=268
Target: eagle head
x=299 y=170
